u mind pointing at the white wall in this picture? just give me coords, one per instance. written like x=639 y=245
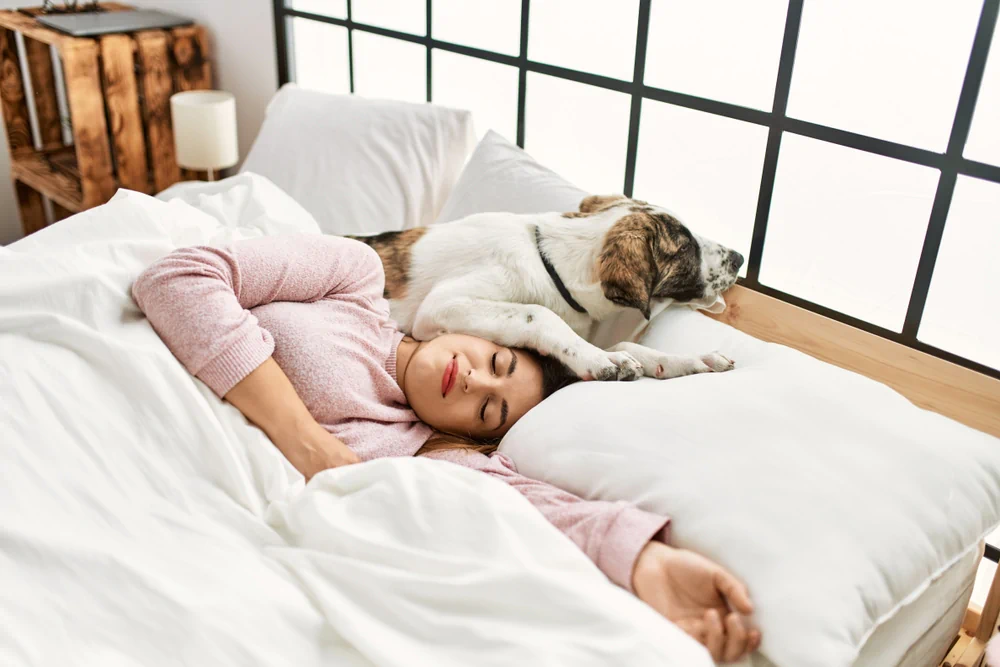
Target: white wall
x=241 y=33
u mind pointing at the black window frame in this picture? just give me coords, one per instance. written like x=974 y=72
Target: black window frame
x=950 y=163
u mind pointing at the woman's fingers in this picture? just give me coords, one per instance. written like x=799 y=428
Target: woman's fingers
x=735 y=592
x=736 y=639
x=753 y=640
x=714 y=635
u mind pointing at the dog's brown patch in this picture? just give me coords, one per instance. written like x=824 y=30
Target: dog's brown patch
x=394 y=249
x=647 y=255
x=595 y=204
x=626 y=266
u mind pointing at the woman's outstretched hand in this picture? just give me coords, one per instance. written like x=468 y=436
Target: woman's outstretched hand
x=315 y=449
x=693 y=592
x=267 y=398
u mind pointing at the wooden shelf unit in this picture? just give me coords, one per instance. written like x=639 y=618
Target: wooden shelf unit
x=118 y=90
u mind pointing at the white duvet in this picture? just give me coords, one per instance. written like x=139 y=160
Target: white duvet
x=146 y=523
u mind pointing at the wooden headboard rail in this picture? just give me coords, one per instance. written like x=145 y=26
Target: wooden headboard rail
x=929 y=382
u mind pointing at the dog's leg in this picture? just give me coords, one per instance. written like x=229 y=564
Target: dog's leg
x=656 y=364
x=527 y=326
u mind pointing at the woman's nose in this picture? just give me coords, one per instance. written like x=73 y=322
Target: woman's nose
x=475 y=381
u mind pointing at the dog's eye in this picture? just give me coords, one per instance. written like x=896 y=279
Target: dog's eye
x=493 y=363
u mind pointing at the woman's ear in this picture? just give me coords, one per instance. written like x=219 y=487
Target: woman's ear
x=626 y=267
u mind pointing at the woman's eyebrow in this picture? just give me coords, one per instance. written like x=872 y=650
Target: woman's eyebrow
x=513 y=363
x=503 y=415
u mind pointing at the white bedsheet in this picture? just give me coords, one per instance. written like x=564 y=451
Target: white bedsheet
x=146 y=523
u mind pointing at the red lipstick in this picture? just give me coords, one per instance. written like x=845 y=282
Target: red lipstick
x=448 y=377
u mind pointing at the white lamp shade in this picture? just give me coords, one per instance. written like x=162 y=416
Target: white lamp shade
x=204 y=129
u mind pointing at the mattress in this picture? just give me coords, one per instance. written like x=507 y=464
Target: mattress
x=922 y=632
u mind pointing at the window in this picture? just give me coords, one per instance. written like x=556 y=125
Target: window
x=857 y=168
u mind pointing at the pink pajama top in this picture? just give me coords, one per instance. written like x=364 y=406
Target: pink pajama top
x=315 y=304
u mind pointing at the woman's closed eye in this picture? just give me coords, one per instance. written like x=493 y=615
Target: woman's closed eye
x=504 y=409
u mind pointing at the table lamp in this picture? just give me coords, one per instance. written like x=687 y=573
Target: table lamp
x=204 y=130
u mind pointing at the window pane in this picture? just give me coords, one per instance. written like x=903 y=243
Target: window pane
x=846 y=228
x=725 y=50
x=389 y=68
x=579 y=131
x=334 y=8
x=959 y=315
x=704 y=168
x=488 y=90
x=891 y=69
x=494 y=25
x=319 y=56
x=983 y=144
x=593 y=36
x=402 y=15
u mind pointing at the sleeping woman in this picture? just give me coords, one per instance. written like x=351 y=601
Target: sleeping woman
x=295 y=333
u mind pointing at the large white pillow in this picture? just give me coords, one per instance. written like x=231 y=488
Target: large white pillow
x=361 y=166
x=836 y=499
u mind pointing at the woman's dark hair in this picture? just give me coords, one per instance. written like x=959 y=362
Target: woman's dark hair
x=555 y=376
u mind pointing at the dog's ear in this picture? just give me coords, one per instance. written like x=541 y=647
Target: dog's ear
x=626 y=266
x=595 y=203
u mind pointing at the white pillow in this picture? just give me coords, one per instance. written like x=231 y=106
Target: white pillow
x=500 y=177
x=833 y=497
x=361 y=166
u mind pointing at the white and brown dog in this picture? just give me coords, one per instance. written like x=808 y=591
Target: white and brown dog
x=541 y=280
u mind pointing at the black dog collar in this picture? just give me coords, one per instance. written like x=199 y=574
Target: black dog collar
x=555 y=276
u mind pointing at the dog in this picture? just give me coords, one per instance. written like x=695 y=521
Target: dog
x=540 y=281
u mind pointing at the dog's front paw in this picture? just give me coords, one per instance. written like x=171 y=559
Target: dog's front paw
x=628 y=367
x=611 y=366
x=716 y=363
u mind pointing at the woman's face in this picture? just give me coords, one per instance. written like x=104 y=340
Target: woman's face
x=468 y=386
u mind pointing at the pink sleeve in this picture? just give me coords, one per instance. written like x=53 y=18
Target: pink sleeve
x=198 y=298
x=611 y=533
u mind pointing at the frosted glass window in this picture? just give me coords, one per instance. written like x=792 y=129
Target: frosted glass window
x=846 y=228
x=724 y=50
x=705 y=169
x=493 y=25
x=487 y=89
x=334 y=8
x=595 y=36
x=983 y=144
x=389 y=68
x=960 y=315
x=320 y=56
x=891 y=69
x=402 y=15
x=579 y=131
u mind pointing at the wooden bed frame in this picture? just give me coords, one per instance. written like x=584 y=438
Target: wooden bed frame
x=956 y=392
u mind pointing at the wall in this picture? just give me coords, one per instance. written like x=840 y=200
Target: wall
x=242 y=42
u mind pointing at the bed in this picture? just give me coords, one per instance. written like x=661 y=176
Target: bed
x=154 y=525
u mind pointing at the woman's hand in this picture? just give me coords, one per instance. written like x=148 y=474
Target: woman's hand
x=315 y=449
x=693 y=592
x=267 y=398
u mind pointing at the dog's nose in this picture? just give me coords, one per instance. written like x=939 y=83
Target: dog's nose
x=736 y=259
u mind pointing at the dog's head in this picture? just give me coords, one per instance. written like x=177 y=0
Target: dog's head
x=649 y=255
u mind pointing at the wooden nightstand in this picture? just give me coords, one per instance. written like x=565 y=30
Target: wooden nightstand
x=118 y=90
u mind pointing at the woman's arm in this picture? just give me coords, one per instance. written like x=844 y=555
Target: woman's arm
x=631 y=547
x=198 y=298
x=612 y=534
x=267 y=398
